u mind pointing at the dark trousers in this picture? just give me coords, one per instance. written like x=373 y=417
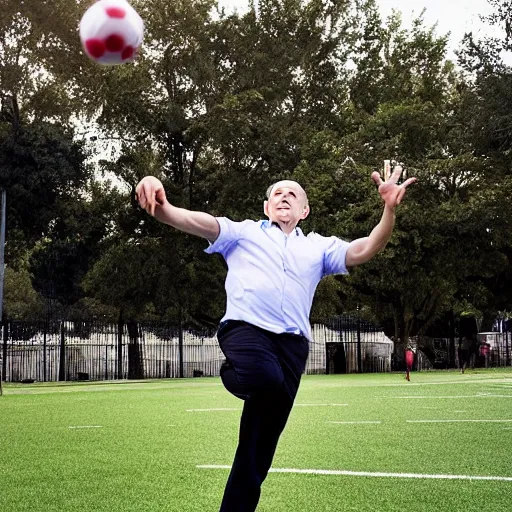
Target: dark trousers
x=264 y=370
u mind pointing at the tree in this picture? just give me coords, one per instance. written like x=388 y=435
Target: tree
x=74 y=241
x=39 y=165
x=447 y=241
x=21 y=301
x=194 y=112
x=219 y=108
x=491 y=80
x=39 y=159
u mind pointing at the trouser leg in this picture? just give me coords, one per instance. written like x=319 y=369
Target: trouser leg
x=263 y=420
x=265 y=371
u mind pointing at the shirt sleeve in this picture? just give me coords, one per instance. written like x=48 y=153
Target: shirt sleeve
x=229 y=234
x=335 y=253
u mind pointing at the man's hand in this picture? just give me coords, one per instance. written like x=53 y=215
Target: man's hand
x=150 y=193
x=391 y=193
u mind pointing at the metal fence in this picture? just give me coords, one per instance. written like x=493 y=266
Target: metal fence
x=487 y=350
x=68 y=351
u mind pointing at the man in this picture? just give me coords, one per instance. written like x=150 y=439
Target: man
x=409 y=361
x=464 y=353
x=273 y=271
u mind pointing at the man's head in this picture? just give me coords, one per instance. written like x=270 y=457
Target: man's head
x=286 y=204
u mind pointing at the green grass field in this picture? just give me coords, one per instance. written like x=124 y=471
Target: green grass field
x=136 y=446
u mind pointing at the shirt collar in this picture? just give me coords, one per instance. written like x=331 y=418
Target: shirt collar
x=266 y=224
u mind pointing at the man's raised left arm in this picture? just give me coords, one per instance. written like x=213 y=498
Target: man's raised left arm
x=364 y=249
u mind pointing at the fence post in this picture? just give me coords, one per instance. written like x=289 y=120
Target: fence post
x=5 y=330
x=359 y=359
x=120 y=327
x=62 y=359
x=1 y=362
x=106 y=362
x=3 y=202
x=507 y=361
x=180 y=342
x=45 y=328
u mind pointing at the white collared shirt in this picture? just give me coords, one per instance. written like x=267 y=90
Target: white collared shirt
x=272 y=277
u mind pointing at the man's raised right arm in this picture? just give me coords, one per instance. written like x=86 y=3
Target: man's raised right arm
x=150 y=194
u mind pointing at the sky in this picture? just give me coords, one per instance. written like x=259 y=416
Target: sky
x=454 y=16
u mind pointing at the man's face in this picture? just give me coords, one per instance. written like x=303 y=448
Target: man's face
x=287 y=203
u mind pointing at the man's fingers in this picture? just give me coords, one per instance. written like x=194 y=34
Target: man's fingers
x=397 y=171
x=160 y=196
x=377 y=179
x=409 y=182
x=150 y=194
x=149 y=201
x=401 y=194
x=141 y=198
x=145 y=200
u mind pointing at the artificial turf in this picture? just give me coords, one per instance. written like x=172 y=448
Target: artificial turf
x=136 y=446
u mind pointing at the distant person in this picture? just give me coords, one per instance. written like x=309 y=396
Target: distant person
x=409 y=362
x=273 y=271
x=464 y=354
x=485 y=351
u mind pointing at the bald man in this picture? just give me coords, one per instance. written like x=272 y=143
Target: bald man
x=273 y=272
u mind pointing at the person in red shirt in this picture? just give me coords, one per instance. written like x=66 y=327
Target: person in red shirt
x=409 y=361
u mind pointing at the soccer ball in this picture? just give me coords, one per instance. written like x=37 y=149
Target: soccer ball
x=111 y=32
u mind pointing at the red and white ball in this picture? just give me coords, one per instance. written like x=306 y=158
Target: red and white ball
x=111 y=32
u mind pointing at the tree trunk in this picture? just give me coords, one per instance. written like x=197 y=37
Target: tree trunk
x=180 y=341
x=451 y=345
x=4 y=348
x=120 y=329
x=62 y=358
x=135 y=362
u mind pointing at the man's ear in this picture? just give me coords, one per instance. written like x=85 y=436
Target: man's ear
x=265 y=208
x=305 y=212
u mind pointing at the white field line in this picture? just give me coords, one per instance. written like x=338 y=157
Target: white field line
x=433 y=397
x=372 y=474
x=86 y=426
x=215 y=409
x=484 y=380
x=320 y=405
x=458 y=421
x=356 y=422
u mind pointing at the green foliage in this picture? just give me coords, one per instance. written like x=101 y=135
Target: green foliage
x=395 y=63
x=76 y=238
x=38 y=42
x=448 y=239
x=21 y=301
x=40 y=165
x=219 y=107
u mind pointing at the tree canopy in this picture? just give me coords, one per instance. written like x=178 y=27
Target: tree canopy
x=219 y=106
